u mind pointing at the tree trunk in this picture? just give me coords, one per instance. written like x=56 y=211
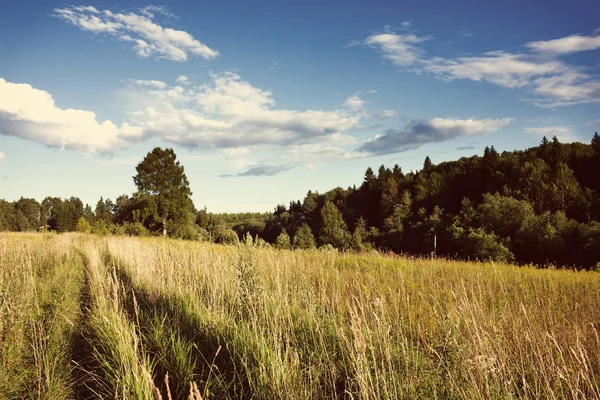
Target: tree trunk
x=164 y=227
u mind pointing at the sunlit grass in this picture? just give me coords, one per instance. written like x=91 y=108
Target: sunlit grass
x=249 y=322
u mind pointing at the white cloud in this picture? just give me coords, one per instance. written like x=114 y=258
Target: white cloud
x=149 y=38
x=386 y=114
x=500 y=68
x=563 y=133
x=149 y=11
x=596 y=31
x=466 y=33
x=566 y=45
x=419 y=133
x=232 y=113
x=354 y=103
x=31 y=114
x=568 y=88
x=401 y=49
x=540 y=71
x=149 y=83
x=182 y=80
x=228 y=113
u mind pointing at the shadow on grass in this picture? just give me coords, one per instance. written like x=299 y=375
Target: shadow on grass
x=86 y=367
x=172 y=330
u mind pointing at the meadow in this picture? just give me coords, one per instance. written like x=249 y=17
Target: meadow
x=84 y=316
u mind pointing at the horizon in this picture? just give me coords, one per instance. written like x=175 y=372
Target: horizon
x=257 y=119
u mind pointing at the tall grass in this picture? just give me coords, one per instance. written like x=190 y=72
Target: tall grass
x=40 y=279
x=324 y=325
x=175 y=319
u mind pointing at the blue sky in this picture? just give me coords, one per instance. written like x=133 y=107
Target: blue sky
x=263 y=101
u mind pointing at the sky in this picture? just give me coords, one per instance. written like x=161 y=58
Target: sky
x=265 y=100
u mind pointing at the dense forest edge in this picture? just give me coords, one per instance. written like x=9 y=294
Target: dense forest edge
x=537 y=206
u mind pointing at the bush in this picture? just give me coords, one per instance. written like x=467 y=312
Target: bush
x=83 y=226
x=225 y=236
x=135 y=229
x=283 y=241
x=100 y=228
x=487 y=247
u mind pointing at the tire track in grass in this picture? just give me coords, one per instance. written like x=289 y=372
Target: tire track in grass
x=112 y=362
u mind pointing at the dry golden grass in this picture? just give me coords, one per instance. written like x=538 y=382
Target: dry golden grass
x=249 y=322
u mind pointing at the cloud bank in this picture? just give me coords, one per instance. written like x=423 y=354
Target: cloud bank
x=227 y=113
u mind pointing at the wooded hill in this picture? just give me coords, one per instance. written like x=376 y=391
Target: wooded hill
x=537 y=206
x=540 y=205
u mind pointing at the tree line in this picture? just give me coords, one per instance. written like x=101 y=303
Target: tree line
x=539 y=205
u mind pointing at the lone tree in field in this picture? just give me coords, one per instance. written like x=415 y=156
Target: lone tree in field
x=161 y=177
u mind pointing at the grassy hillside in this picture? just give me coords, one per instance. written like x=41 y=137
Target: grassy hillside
x=84 y=316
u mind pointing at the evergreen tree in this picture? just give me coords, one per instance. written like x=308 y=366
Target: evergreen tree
x=283 y=241
x=427 y=164
x=102 y=210
x=304 y=238
x=596 y=142
x=333 y=228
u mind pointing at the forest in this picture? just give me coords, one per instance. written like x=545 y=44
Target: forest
x=536 y=206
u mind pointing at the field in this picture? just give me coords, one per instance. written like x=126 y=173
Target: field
x=83 y=316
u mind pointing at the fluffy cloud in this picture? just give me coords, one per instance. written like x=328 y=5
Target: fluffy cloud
x=149 y=83
x=540 y=71
x=232 y=113
x=182 y=80
x=228 y=113
x=401 y=49
x=562 y=133
x=149 y=38
x=419 y=133
x=31 y=114
x=354 y=103
x=260 y=170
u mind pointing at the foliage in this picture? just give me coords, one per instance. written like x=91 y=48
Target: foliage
x=283 y=241
x=162 y=178
x=333 y=228
x=225 y=235
x=83 y=226
x=304 y=238
x=540 y=205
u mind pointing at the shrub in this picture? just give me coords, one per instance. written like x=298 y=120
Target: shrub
x=135 y=229
x=283 y=241
x=100 y=228
x=83 y=226
x=225 y=236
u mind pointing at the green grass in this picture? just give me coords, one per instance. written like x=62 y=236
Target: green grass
x=116 y=317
